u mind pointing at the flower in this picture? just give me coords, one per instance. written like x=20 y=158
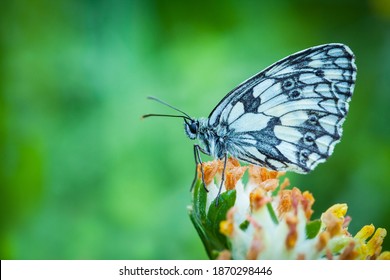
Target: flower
x=265 y=219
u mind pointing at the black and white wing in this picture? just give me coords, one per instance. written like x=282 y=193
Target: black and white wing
x=289 y=116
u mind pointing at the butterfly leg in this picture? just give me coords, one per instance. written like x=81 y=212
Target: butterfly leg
x=222 y=178
x=198 y=160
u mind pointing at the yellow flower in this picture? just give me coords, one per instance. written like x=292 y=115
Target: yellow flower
x=266 y=220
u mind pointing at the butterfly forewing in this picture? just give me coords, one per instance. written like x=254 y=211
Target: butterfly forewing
x=289 y=116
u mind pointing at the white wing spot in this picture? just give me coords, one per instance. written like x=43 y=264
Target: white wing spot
x=314 y=160
x=250 y=122
x=288 y=150
x=261 y=87
x=343 y=87
x=289 y=134
x=335 y=52
x=323 y=89
x=342 y=62
x=317 y=63
x=295 y=118
x=253 y=151
x=269 y=92
x=328 y=123
x=277 y=164
x=302 y=104
x=309 y=78
x=236 y=112
x=329 y=105
x=333 y=73
x=323 y=143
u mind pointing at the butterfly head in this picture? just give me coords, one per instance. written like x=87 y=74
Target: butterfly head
x=191 y=128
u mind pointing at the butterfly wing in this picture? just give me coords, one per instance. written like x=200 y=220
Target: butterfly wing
x=290 y=115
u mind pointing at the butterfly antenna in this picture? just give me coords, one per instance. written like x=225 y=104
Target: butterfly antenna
x=165 y=115
x=168 y=105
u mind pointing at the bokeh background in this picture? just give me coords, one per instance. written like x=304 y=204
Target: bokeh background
x=83 y=177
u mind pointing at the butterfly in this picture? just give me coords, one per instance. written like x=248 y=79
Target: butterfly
x=288 y=117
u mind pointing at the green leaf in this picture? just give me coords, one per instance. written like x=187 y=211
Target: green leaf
x=312 y=228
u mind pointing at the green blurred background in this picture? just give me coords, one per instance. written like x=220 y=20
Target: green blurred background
x=83 y=177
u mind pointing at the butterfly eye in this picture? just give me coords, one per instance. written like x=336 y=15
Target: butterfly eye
x=191 y=129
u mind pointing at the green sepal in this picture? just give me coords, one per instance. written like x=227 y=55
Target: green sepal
x=312 y=228
x=244 y=225
x=272 y=213
x=207 y=224
x=217 y=213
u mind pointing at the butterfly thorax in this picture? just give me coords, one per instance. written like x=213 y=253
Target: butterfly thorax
x=213 y=139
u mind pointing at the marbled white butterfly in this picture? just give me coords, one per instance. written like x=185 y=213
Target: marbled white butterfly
x=287 y=117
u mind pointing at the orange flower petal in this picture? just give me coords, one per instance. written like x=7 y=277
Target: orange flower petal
x=292 y=234
x=323 y=239
x=285 y=203
x=349 y=252
x=307 y=203
x=233 y=175
x=269 y=184
x=258 y=198
x=210 y=169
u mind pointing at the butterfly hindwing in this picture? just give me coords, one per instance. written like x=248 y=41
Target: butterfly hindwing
x=289 y=116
